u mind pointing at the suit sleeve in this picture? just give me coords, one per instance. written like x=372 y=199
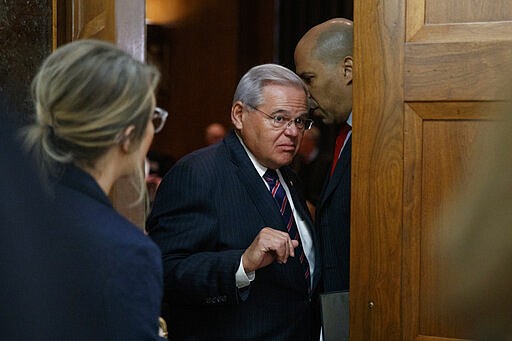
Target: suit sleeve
x=184 y=223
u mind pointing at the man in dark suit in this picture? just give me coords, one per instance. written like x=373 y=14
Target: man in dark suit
x=234 y=266
x=323 y=59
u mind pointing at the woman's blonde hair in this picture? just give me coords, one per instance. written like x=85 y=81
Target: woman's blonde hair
x=86 y=94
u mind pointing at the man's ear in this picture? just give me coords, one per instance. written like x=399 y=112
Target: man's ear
x=126 y=138
x=236 y=115
x=347 y=69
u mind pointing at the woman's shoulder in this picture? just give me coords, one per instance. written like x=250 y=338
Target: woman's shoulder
x=92 y=215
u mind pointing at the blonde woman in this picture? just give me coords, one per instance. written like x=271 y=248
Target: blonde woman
x=95 y=120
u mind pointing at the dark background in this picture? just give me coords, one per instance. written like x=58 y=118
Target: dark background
x=201 y=56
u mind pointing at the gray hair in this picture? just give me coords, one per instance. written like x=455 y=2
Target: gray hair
x=85 y=94
x=250 y=88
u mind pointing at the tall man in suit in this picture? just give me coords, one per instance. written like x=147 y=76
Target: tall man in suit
x=323 y=59
x=234 y=266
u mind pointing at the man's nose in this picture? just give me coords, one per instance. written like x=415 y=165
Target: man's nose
x=291 y=128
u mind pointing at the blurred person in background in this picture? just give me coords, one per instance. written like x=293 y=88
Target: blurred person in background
x=214 y=133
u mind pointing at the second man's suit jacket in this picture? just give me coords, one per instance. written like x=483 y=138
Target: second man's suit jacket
x=207 y=211
x=333 y=224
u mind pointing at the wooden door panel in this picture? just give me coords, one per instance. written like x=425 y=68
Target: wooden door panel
x=425 y=23
x=439 y=146
x=424 y=102
x=93 y=19
x=459 y=32
x=458 y=58
x=377 y=166
x=79 y=19
x=455 y=71
x=457 y=11
x=119 y=22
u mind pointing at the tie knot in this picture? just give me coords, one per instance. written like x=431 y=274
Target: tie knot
x=345 y=128
x=271 y=175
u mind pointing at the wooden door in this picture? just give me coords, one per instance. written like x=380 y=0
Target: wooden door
x=81 y=19
x=425 y=79
x=120 y=22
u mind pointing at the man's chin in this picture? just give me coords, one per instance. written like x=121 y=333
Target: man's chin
x=328 y=120
x=284 y=159
x=324 y=116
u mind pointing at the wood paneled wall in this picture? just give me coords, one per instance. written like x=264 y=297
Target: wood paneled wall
x=202 y=56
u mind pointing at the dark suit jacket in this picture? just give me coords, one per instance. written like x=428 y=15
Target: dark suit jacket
x=313 y=175
x=28 y=305
x=114 y=272
x=333 y=224
x=207 y=211
x=71 y=267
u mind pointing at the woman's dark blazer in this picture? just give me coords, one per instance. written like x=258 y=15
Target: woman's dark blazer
x=113 y=279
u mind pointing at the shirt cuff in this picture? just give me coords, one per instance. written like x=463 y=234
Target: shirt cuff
x=242 y=279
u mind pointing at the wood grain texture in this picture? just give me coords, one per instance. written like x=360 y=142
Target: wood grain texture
x=415 y=17
x=93 y=19
x=456 y=11
x=456 y=61
x=448 y=150
x=439 y=147
x=455 y=71
x=440 y=142
x=412 y=210
x=377 y=170
x=421 y=27
x=423 y=93
x=445 y=33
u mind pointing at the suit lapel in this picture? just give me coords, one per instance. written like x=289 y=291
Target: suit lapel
x=251 y=180
x=339 y=172
x=298 y=200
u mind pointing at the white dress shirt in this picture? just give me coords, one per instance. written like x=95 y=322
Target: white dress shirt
x=243 y=279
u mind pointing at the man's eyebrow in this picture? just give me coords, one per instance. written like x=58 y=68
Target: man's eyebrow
x=281 y=111
x=288 y=113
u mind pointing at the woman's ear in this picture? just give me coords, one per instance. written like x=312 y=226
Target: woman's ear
x=126 y=138
x=236 y=115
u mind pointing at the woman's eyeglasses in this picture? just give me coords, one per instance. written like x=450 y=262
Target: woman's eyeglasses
x=158 y=119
